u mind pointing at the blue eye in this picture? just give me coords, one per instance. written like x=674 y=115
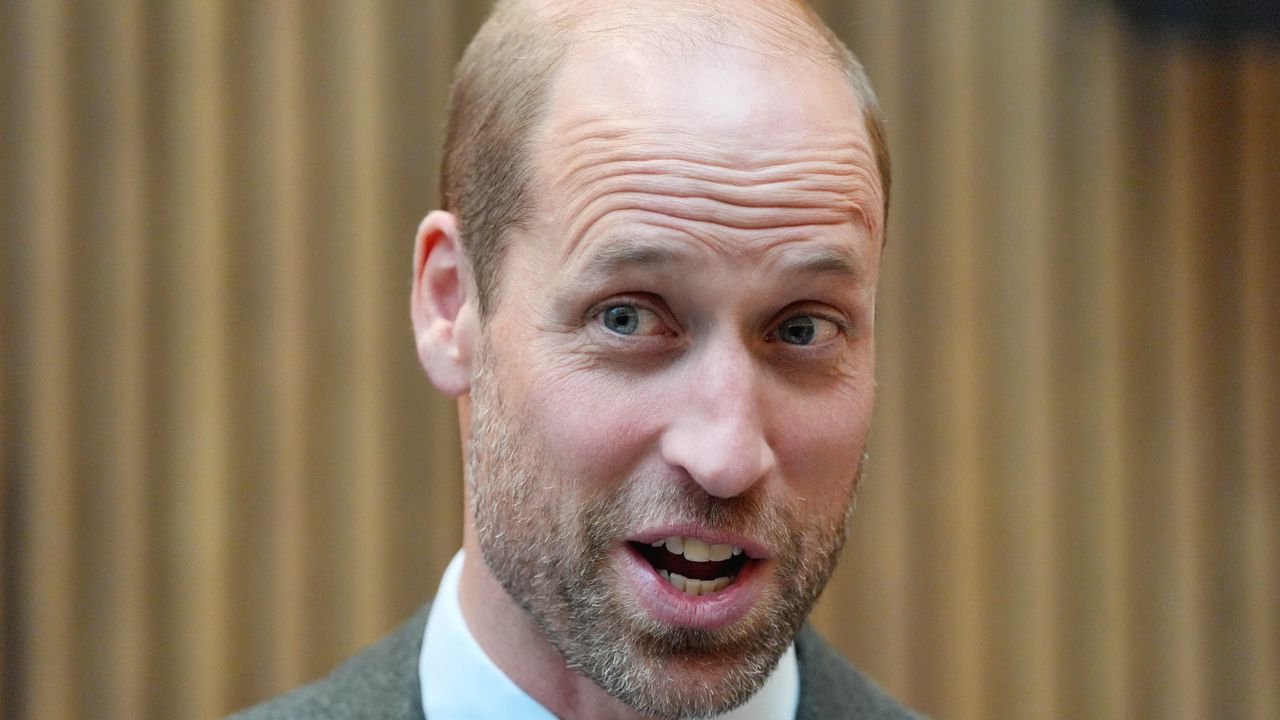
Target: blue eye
x=799 y=330
x=807 y=330
x=622 y=319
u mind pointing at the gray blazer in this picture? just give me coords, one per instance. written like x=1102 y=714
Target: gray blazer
x=381 y=683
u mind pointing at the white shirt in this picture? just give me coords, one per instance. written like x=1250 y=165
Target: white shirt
x=460 y=682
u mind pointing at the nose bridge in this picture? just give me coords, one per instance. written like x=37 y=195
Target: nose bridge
x=718 y=435
x=728 y=383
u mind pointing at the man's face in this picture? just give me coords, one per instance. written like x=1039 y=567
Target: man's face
x=676 y=383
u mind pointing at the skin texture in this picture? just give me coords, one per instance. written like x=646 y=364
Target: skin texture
x=720 y=196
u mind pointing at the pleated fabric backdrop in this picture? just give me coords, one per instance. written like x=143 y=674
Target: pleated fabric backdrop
x=223 y=470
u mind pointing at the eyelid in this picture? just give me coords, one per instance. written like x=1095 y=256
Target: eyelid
x=595 y=309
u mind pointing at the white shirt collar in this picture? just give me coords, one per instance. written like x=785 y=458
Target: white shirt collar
x=460 y=682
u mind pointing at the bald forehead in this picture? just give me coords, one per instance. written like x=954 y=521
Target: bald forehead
x=766 y=142
x=732 y=92
x=780 y=27
x=627 y=49
x=650 y=84
x=589 y=11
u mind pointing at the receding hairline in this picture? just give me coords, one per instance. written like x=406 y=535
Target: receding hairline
x=778 y=28
x=778 y=31
x=502 y=93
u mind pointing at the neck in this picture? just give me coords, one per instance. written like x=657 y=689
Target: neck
x=511 y=640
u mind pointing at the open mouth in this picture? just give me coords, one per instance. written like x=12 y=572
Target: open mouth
x=693 y=566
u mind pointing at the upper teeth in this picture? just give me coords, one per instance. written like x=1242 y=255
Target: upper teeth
x=696 y=550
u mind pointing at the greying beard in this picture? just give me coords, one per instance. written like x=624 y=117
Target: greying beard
x=558 y=571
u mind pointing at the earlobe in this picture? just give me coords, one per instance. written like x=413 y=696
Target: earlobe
x=442 y=304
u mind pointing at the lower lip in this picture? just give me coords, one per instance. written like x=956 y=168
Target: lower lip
x=675 y=607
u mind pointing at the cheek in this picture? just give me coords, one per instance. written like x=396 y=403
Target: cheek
x=820 y=441
x=595 y=431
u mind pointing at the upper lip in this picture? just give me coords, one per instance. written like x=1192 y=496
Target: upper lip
x=753 y=549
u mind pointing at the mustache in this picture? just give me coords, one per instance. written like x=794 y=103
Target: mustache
x=655 y=501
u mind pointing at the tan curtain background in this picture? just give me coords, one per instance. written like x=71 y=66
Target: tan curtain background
x=223 y=471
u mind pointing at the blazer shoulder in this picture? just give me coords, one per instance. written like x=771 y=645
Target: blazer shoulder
x=380 y=683
x=831 y=688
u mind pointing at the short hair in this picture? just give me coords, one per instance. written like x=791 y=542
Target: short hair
x=499 y=96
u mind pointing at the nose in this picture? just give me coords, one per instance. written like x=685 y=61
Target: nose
x=718 y=435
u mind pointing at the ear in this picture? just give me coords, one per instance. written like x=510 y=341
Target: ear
x=442 y=304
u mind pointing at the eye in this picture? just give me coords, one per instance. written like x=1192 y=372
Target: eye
x=630 y=319
x=806 y=330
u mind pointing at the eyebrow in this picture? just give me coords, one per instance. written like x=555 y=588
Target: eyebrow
x=827 y=260
x=617 y=257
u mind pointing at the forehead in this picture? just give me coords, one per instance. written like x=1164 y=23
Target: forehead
x=767 y=140
x=733 y=101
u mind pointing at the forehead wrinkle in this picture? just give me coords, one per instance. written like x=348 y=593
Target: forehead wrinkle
x=808 y=183
x=749 y=206
x=709 y=215
x=739 y=206
x=593 y=159
x=688 y=178
x=571 y=139
x=614 y=256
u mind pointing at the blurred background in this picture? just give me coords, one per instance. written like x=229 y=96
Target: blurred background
x=223 y=471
